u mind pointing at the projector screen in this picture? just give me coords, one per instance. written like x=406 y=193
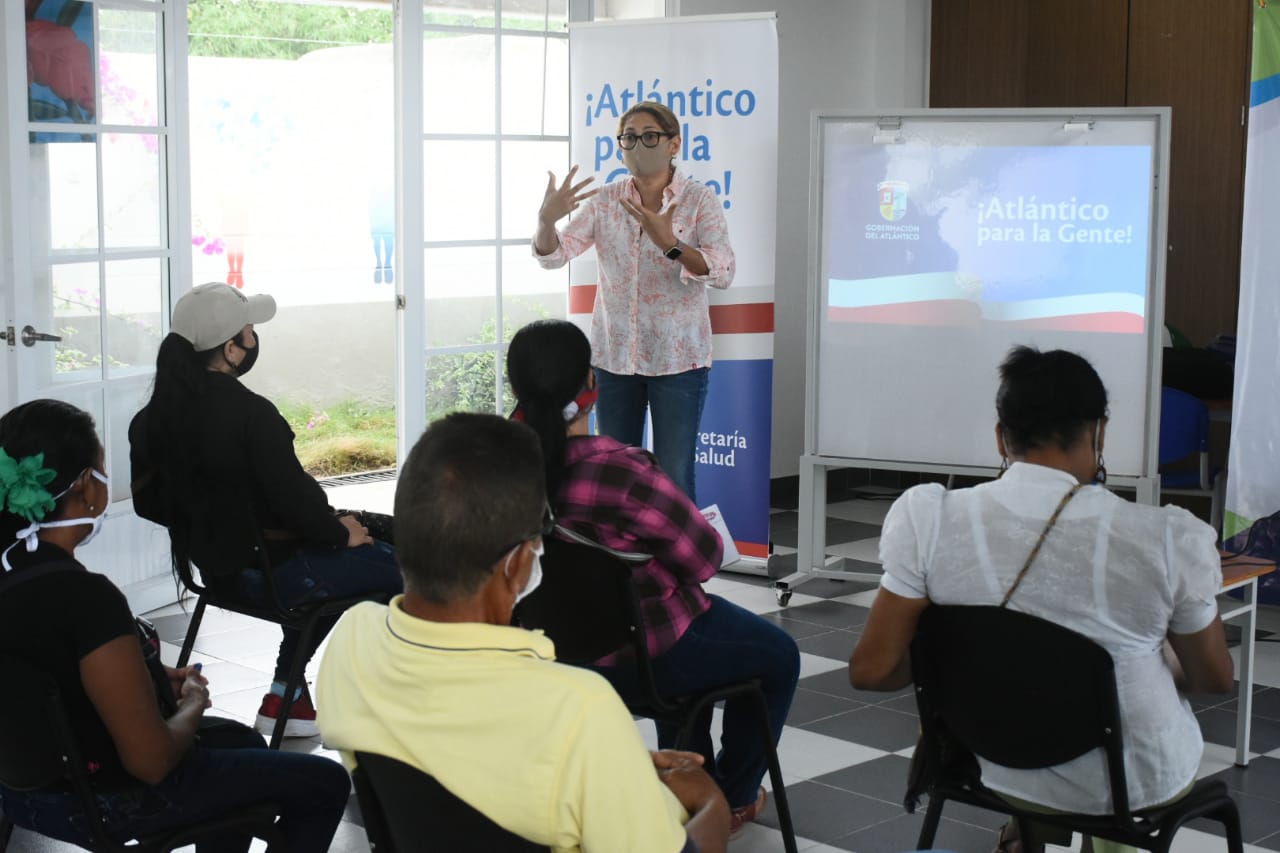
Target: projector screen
x=946 y=239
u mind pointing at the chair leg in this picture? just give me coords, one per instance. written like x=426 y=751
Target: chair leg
x=192 y=630
x=780 y=804
x=297 y=677
x=932 y=815
x=6 y=830
x=1230 y=817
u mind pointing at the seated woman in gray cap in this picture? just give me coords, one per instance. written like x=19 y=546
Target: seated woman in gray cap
x=214 y=462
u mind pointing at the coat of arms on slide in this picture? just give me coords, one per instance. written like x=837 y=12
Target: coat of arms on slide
x=893 y=199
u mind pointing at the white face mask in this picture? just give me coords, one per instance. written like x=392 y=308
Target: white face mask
x=29 y=536
x=535 y=573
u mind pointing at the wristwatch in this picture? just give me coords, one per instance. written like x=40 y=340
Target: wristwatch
x=675 y=251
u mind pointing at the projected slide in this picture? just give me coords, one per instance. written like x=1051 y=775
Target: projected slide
x=1051 y=237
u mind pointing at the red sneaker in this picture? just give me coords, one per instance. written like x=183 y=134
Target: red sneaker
x=302 y=716
x=740 y=817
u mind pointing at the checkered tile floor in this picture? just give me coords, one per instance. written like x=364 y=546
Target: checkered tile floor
x=844 y=753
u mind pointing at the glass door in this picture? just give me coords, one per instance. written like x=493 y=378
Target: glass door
x=90 y=172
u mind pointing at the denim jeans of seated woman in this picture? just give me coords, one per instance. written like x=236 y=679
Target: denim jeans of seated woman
x=675 y=403
x=724 y=645
x=317 y=574
x=229 y=768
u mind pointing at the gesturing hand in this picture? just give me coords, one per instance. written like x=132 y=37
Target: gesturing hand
x=559 y=202
x=657 y=225
x=357 y=533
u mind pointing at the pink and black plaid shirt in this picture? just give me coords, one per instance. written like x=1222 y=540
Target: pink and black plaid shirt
x=618 y=496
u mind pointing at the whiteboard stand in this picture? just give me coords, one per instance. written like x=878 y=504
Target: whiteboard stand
x=811 y=545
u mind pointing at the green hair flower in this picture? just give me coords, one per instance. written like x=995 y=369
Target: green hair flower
x=22 y=486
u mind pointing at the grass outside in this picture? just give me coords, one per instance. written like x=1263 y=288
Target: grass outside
x=342 y=439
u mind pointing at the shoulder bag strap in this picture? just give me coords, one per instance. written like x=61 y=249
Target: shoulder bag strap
x=1053 y=519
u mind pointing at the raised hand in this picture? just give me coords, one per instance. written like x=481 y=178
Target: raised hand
x=559 y=201
x=656 y=225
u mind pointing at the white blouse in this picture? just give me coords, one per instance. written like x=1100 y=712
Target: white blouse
x=1120 y=573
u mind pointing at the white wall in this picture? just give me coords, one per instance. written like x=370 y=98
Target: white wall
x=834 y=55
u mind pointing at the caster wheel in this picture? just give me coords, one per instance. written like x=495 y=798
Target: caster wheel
x=784 y=597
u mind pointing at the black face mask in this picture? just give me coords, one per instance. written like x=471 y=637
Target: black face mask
x=250 y=354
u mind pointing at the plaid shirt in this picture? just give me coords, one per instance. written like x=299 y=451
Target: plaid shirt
x=618 y=496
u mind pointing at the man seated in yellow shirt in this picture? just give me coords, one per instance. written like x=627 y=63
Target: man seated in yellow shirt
x=440 y=680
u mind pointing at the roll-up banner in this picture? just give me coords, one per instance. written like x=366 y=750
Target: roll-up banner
x=1253 y=482
x=719 y=75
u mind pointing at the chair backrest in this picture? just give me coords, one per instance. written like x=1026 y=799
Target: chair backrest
x=407 y=810
x=585 y=603
x=30 y=752
x=1184 y=425
x=1016 y=690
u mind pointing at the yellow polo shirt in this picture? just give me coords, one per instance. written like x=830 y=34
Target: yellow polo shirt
x=545 y=750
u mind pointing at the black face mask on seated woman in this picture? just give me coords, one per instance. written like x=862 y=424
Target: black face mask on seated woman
x=250 y=353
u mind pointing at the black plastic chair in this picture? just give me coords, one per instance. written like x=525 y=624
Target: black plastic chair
x=407 y=810
x=1023 y=692
x=38 y=749
x=306 y=620
x=587 y=605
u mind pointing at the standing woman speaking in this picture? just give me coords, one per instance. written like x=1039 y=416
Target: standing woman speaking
x=661 y=240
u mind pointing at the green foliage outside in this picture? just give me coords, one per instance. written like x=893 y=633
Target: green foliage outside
x=267 y=29
x=351 y=436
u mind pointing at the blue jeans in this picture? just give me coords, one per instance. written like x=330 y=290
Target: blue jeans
x=724 y=645
x=230 y=767
x=674 y=401
x=316 y=574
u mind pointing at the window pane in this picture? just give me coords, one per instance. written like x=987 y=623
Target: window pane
x=460 y=383
x=458 y=74
x=529 y=292
x=472 y=13
x=458 y=189
x=135 y=300
x=535 y=86
x=462 y=296
x=64 y=197
x=127 y=67
x=524 y=182
x=60 y=62
x=127 y=397
x=131 y=184
x=547 y=15
x=77 y=313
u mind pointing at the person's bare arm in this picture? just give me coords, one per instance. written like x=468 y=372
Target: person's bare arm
x=708 y=825
x=882 y=658
x=116 y=681
x=1203 y=663
x=557 y=203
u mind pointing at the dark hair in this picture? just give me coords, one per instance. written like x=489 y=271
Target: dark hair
x=547 y=363
x=471 y=486
x=63 y=433
x=172 y=428
x=659 y=112
x=1047 y=398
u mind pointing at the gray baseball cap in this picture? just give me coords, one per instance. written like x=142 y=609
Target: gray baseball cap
x=211 y=314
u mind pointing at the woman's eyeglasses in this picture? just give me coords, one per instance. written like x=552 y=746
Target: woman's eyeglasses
x=547 y=527
x=650 y=138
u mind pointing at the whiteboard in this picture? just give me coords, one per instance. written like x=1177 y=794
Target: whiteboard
x=941 y=238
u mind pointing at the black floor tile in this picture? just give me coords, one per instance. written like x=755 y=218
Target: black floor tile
x=836 y=683
x=823 y=813
x=871 y=726
x=784 y=529
x=883 y=778
x=808 y=706
x=1260 y=779
x=1266 y=703
x=836 y=645
x=798 y=629
x=1218 y=725
x=1271 y=842
x=832 y=587
x=832 y=614
x=1259 y=819
x=901 y=833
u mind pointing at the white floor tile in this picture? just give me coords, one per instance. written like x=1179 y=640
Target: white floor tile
x=804 y=754
x=1217 y=757
x=866 y=550
x=816 y=664
x=861 y=599
x=759 y=599
x=1266 y=663
x=757 y=838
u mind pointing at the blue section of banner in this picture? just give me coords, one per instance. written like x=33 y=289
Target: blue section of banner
x=1266 y=89
x=733 y=446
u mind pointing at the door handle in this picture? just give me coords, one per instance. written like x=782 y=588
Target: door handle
x=30 y=336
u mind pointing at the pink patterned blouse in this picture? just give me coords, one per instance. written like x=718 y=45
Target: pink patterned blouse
x=651 y=313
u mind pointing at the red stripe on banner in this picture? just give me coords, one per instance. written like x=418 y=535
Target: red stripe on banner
x=582 y=298
x=1118 y=322
x=935 y=312
x=753 y=549
x=743 y=318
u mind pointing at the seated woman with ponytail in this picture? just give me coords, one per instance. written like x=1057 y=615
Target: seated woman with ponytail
x=617 y=495
x=214 y=462
x=146 y=766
